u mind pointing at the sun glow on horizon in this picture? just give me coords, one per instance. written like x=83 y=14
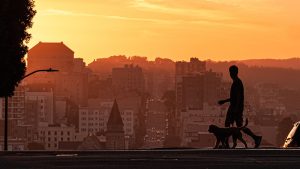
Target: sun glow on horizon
x=208 y=29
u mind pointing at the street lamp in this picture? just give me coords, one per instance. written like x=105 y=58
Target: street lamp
x=6 y=106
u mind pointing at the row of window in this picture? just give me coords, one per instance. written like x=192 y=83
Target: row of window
x=61 y=139
x=91 y=118
x=102 y=119
x=101 y=113
x=55 y=132
x=90 y=130
x=92 y=124
x=90 y=113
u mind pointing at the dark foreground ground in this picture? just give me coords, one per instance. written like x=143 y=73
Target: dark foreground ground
x=151 y=159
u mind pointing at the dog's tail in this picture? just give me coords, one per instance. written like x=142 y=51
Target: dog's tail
x=246 y=123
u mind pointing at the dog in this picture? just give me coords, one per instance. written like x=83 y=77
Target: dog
x=222 y=135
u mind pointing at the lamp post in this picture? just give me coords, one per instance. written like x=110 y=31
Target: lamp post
x=6 y=107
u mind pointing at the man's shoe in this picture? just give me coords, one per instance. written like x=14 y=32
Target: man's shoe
x=257 y=141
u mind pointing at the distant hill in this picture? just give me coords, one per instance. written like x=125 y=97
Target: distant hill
x=105 y=65
x=251 y=75
x=284 y=72
x=293 y=63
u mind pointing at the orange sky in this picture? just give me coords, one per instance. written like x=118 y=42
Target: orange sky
x=177 y=29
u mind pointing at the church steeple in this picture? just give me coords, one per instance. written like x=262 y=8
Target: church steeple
x=115 y=138
x=115 y=122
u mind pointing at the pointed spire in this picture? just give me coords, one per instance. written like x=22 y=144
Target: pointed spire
x=115 y=122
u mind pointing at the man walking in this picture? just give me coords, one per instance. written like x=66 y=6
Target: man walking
x=236 y=100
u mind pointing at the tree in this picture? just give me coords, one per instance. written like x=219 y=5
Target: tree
x=15 y=18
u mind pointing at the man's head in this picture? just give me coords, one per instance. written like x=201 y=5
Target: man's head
x=233 y=70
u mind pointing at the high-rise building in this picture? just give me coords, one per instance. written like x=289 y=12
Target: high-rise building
x=39 y=106
x=213 y=87
x=156 y=124
x=72 y=79
x=128 y=78
x=115 y=138
x=195 y=66
x=189 y=84
x=50 y=55
x=192 y=96
x=16 y=105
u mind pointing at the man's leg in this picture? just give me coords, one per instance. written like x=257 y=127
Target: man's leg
x=246 y=130
x=228 y=122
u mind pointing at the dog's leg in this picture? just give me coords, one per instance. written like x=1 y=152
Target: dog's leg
x=226 y=142
x=243 y=141
x=217 y=143
x=234 y=139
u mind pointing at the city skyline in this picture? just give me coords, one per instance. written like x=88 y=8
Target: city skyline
x=157 y=104
x=217 y=30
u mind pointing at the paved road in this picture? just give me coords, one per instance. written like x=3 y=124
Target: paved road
x=151 y=159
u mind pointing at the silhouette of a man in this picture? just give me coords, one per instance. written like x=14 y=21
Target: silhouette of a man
x=235 y=110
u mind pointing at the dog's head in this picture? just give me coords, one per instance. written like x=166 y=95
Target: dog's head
x=212 y=128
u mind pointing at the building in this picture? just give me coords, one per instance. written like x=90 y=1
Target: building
x=195 y=121
x=39 y=106
x=14 y=144
x=213 y=87
x=16 y=105
x=192 y=95
x=189 y=85
x=128 y=78
x=156 y=124
x=51 y=135
x=94 y=118
x=115 y=135
x=71 y=81
x=195 y=66
x=50 y=55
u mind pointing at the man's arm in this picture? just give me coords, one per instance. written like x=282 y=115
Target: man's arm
x=223 y=101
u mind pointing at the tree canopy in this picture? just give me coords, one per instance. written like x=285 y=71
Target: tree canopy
x=15 y=19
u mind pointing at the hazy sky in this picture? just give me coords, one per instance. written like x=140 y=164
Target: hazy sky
x=177 y=29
